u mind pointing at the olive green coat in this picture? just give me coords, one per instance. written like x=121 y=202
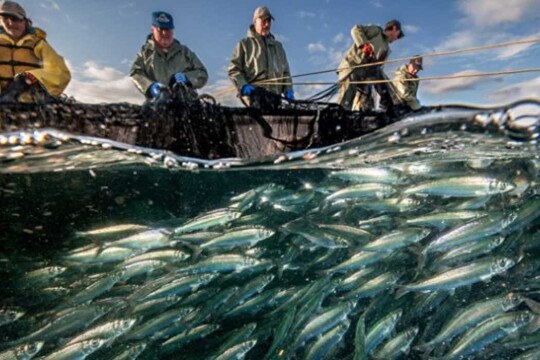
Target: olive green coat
x=358 y=96
x=152 y=65
x=406 y=91
x=364 y=34
x=258 y=58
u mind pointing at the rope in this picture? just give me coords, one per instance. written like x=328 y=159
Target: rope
x=444 y=53
x=368 y=82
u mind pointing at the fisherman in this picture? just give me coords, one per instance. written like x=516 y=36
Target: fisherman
x=28 y=63
x=405 y=85
x=164 y=61
x=371 y=45
x=260 y=57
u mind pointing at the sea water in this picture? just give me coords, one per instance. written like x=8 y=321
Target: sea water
x=54 y=196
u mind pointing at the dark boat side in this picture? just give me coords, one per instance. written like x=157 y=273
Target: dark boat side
x=200 y=129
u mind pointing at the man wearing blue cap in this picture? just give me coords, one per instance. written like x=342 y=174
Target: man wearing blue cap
x=163 y=61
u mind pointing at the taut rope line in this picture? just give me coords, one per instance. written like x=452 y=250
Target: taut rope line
x=507 y=72
x=444 y=53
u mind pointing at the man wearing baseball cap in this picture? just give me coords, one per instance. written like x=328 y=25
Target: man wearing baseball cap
x=260 y=57
x=371 y=45
x=27 y=61
x=164 y=61
x=405 y=84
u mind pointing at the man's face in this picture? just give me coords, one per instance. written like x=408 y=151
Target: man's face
x=262 y=26
x=14 y=27
x=413 y=69
x=163 y=37
x=393 y=34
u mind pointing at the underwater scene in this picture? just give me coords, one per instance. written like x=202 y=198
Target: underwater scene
x=417 y=241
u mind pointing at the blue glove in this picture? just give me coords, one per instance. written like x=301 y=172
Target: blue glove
x=180 y=77
x=289 y=94
x=155 y=89
x=247 y=89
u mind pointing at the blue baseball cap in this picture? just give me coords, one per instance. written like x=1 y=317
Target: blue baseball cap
x=162 y=20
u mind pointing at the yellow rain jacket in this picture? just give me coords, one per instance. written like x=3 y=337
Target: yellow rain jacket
x=258 y=58
x=405 y=91
x=32 y=54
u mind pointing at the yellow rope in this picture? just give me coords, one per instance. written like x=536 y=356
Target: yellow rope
x=453 y=52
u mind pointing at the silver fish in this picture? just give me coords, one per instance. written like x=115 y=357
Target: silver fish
x=10 y=314
x=22 y=352
x=207 y=221
x=465 y=186
x=237 y=351
x=77 y=351
x=362 y=191
x=488 y=332
x=464 y=275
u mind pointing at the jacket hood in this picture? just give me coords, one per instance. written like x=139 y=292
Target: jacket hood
x=32 y=30
x=251 y=33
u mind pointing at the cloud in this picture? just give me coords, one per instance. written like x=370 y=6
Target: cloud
x=306 y=15
x=523 y=90
x=101 y=84
x=410 y=29
x=316 y=47
x=50 y=4
x=339 y=38
x=491 y=13
x=450 y=85
x=376 y=3
x=281 y=38
x=223 y=91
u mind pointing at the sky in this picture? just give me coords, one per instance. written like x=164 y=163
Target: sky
x=100 y=38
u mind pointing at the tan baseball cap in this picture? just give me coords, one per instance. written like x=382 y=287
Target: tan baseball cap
x=11 y=8
x=262 y=12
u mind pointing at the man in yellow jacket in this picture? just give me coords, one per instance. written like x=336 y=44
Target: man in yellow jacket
x=371 y=45
x=260 y=57
x=27 y=61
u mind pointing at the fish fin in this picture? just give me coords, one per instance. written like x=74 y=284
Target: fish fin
x=425 y=349
x=401 y=291
x=533 y=305
x=534 y=325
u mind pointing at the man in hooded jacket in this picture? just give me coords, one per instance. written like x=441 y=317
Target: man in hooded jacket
x=260 y=57
x=371 y=45
x=27 y=61
x=405 y=85
x=164 y=61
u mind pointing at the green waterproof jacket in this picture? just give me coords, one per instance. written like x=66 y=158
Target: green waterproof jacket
x=153 y=65
x=364 y=34
x=405 y=91
x=258 y=58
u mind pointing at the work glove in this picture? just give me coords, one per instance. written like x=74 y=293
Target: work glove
x=155 y=89
x=289 y=94
x=29 y=78
x=180 y=77
x=247 y=89
x=19 y=85
x=368 y=50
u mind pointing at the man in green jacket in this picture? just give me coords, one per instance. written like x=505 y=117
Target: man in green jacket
x=260 y=57
x=371 y=45
x=405 y=85
x=163 y=61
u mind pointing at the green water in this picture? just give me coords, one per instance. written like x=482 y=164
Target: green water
x=48 y=196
